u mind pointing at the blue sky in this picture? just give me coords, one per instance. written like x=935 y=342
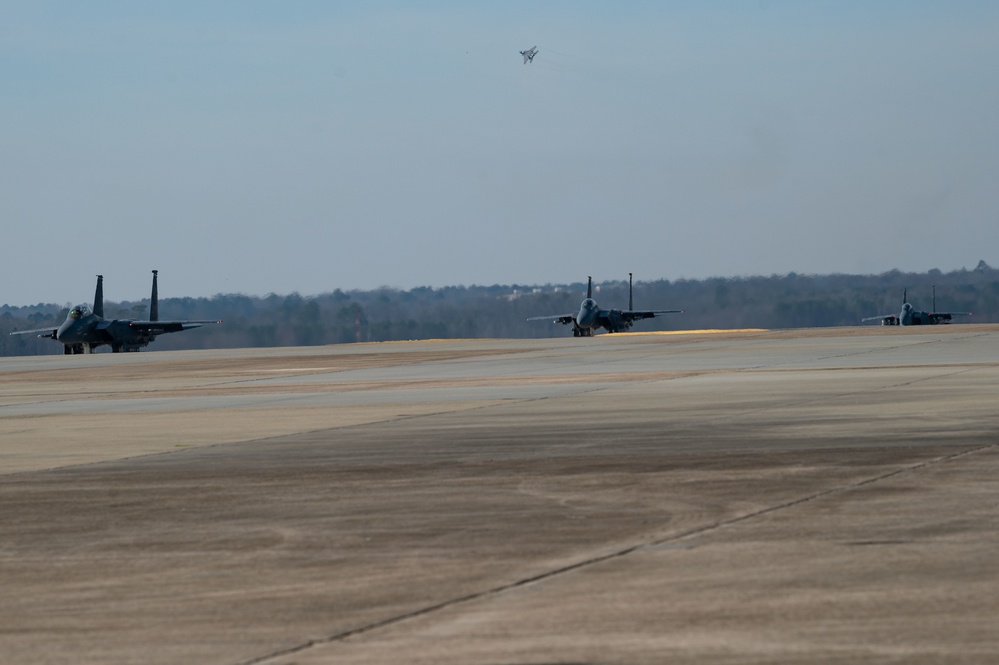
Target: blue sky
x=253 y=148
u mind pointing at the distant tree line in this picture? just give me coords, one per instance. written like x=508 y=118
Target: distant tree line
x=380 y=315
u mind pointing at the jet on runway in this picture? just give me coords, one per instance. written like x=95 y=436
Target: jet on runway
x=86 y=329
x=590 y=317
x=909 y=316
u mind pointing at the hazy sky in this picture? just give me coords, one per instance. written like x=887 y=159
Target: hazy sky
x=259 y=147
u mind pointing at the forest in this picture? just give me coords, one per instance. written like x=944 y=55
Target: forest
x=386 y=314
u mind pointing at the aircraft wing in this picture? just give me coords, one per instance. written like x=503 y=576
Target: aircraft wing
x=881 y=317
x=160 y=327
x=635 y=315
x=946 y=316
x=42 y=332
x=555 y=318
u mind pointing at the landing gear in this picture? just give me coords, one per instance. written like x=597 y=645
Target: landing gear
x=74 y=349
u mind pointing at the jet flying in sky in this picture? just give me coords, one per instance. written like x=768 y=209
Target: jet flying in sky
x=909 y=316
x=591 y=317
x=86 y=329
x=529 y=54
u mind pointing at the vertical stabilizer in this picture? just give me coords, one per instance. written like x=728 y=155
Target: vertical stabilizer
x=154 y=301
x=589 y=287
x=934 y=298
x=905 y=298
x=99 y=297
x=631 y=300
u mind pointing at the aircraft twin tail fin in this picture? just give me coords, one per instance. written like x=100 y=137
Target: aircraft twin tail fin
x=154 y=302
x=99 y=297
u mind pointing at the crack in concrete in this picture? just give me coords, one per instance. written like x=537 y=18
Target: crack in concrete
x=658 y=544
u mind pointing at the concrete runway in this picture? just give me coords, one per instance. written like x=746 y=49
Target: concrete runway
x=811 y=496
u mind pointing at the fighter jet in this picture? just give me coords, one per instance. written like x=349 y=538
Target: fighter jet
x=909 y=316
x=86 y=329
x=590 y=317
x=529 y=54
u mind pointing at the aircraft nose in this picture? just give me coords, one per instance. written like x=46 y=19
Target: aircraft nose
x=65 y=332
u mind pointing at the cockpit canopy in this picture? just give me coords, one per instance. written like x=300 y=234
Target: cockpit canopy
x=79 y=312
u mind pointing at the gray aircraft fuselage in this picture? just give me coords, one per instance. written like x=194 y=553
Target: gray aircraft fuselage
x=591 y=317
x=910 y=316
x=79 y=327
x=85 y=329
x=588 y=316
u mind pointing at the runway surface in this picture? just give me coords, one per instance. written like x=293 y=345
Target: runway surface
x=810 y=496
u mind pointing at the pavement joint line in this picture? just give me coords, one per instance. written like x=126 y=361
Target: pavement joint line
x=818 y=495
x=610 y=556
x=586 y=390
